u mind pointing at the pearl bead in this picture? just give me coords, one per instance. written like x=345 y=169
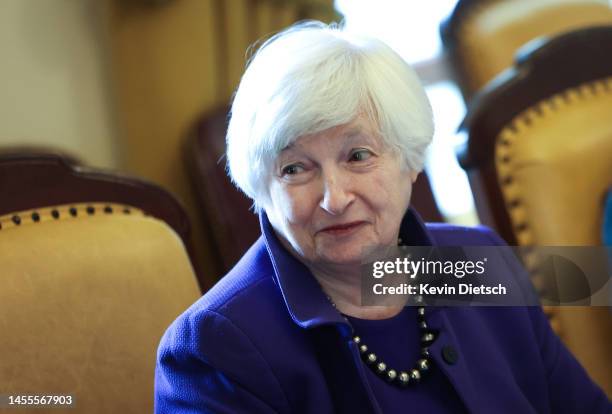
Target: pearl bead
x=331 y=301
x=421 y=311
x=428 y=337
x=423 y=325
x=423 y=364
x=415 y=375
x=357 y=340
x=404 y=378
x=381 y=367
x=371 y=357
x=363 y=348
x=391 y=374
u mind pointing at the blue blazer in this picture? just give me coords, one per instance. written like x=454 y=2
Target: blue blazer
x=265 y=339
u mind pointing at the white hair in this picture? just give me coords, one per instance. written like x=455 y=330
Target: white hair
x=311 y=77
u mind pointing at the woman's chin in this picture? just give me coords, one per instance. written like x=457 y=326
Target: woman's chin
x=344 y=256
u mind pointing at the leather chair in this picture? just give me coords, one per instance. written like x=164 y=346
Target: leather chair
x=94 y=268
x=539 y=153
x=482 y=36
x=226 y=212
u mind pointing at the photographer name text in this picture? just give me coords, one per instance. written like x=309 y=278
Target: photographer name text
x=446 y=290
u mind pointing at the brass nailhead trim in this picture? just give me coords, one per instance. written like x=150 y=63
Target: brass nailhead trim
x=521 y=227
x=515 y=203
x=527 y=119
x=538 y=109
x=35 y=216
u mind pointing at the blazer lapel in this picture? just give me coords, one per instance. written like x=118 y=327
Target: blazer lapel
x=343 y=370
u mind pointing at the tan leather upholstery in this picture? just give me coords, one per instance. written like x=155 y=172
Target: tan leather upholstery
x=492 y=32
x=84 y=300
x=554 y=164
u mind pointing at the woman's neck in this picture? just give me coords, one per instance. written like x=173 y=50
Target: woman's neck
x=343 y=286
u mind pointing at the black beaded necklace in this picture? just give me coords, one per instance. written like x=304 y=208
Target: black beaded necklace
x=393 y=376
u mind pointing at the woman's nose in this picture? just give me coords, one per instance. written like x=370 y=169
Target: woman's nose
x=337 y=195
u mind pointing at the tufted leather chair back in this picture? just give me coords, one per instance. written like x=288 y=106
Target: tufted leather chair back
x=225 y=212
x=87 y=286
x=540 y=144
x=482 y=36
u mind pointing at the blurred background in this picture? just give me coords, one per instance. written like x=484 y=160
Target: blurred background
x=121 y=84
x=521 y=92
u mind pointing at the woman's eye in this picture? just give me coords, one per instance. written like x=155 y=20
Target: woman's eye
x=360 y=155
x=292 y=169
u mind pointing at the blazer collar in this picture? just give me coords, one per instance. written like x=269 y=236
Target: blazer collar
x=306 y=302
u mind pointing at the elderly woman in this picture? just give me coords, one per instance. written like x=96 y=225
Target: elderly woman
x=327 y=135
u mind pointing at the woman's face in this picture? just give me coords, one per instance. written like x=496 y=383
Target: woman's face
x=338 y=194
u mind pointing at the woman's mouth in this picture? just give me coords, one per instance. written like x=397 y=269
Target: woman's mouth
x=342 y=229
